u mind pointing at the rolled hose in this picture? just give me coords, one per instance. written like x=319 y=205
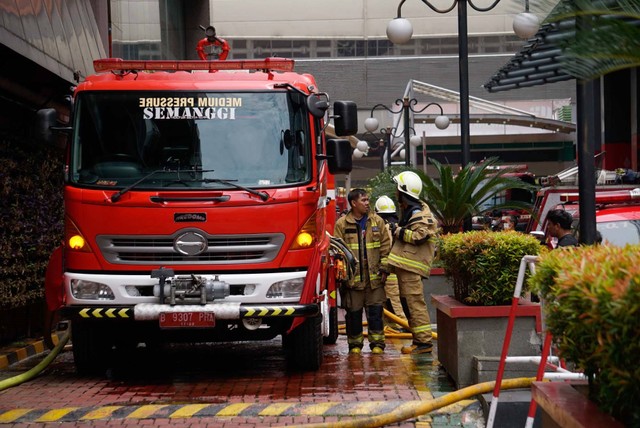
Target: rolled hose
x=393 y=317
x=30 y=374
x=413 y=409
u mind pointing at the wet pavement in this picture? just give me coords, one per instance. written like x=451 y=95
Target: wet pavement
x=238 y=384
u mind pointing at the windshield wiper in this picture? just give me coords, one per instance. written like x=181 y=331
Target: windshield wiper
x=262 y=195
x=116 y=196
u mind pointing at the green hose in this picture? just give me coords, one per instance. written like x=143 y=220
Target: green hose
x=28 y=375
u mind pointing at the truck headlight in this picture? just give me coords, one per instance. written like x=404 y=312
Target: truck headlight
x=286 y=288
x=89 y=290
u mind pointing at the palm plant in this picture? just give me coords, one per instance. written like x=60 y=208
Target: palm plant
x=453 y=198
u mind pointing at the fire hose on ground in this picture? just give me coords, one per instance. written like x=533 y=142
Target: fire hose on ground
x=413 y=409
x=30 y=374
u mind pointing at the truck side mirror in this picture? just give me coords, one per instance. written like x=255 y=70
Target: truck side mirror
x=345 y=117
x=46 y=119
x=339 y=156
x=317 y=104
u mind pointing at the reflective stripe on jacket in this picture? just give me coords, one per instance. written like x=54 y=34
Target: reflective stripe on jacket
x=375 y=251
x=414 y=244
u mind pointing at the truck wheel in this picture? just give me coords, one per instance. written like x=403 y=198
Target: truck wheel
x=303 y=347
x=91 y=347
x=332 y=338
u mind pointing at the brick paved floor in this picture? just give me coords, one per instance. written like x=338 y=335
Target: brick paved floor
x=227 y=379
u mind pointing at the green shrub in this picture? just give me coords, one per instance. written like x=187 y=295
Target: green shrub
x=592 y=309
x=31 y=218
x=483 y=266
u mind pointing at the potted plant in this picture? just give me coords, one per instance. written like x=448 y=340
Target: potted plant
x=593 y=314
x=483 y=267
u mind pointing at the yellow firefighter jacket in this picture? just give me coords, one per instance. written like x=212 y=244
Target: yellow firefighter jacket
x=414 y=244
x=370 y=250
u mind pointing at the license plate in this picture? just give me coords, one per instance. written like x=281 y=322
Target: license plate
x=187 y=319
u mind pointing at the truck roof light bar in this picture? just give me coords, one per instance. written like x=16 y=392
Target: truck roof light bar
x=609 y=197
x=118 y=64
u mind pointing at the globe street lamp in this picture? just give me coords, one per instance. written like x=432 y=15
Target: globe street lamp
x=406 y=108
x=363 y=147
x=400 y=30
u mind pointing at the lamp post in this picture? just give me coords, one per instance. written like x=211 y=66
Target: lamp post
x=400 y=30
x=363 y=147
x=406 y=105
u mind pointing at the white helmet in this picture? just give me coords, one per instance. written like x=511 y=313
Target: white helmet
x=409 y=183
x=385 y=205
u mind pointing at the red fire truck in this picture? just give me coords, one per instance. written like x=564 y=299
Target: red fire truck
x=617 y=211
x=197 y=206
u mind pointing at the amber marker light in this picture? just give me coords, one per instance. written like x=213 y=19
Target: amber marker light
x=74 y=238
x=304 y=240
x=76 y=242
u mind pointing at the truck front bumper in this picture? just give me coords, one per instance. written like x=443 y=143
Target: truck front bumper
x=222 y=311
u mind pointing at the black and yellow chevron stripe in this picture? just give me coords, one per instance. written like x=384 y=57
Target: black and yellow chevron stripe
x=175 y=411
x=115 y=312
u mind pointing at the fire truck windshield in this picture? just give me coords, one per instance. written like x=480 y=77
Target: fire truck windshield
x=255 y=139
x=620 y=233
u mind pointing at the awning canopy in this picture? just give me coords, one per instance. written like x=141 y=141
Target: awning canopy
x=538 y=62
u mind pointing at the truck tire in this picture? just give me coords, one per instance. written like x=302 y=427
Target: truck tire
x=303 y=347
x=91 y=347
x=332 y=338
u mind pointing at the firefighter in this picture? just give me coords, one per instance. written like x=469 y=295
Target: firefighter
x=365 y=235
x=217 y=48
x=411 y=256
x=386 y=209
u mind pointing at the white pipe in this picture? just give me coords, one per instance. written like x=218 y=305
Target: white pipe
x=530 y=359
x=565 y=376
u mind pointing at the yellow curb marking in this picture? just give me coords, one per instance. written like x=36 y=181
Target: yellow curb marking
x=21 y=353
x=275 y=409
x=12 y=415
x=54 y=415
x=317 y=409
x=39 y=347
x=146 y=411
x=4 y=362
x=233 y=409
x=188 y=410
x=364 y=408
x=101 y=413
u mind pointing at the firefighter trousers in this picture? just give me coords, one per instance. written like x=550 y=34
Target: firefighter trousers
x=411 y=291
x=355 y=302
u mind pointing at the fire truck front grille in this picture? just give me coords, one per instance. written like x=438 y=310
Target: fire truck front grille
x=214 y=250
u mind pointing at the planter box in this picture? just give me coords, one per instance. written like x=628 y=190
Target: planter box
x=436 y=284
x=465 y=332
x=563 y=406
